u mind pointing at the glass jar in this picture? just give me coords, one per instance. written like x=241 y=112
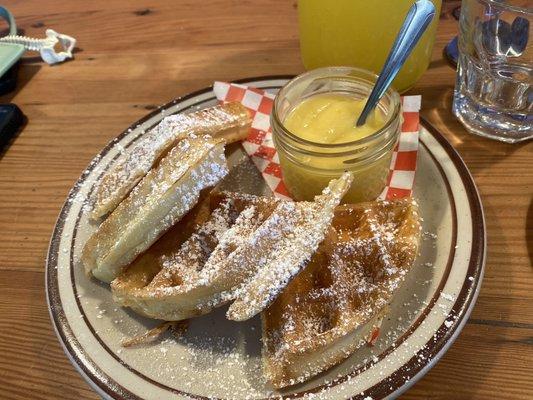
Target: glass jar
x=307 y=166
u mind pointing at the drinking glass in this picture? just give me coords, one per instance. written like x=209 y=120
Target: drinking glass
x=360 y=33
x=493 y=92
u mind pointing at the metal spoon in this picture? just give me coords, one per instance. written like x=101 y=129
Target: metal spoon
x=417 y=20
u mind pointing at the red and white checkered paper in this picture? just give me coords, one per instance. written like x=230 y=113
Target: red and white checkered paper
x=260 y=146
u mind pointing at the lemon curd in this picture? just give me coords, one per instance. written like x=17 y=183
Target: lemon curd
x=330 y=118
x=314 y=131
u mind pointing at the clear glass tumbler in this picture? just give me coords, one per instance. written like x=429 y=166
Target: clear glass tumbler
x=494 y=87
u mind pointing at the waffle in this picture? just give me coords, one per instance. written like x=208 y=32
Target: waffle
x=283 y=249
x=230 y=121
x=323 y=314
x=160 y=199
x=166 y=283
x=246 y=250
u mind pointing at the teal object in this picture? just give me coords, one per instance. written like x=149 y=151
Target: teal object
x=9 y=53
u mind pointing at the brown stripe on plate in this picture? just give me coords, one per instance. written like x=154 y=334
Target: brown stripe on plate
x=444 y=336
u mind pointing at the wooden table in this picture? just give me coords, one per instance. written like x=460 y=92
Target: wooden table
x=133 y=56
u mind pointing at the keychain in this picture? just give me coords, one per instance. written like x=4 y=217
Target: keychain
x=46 y=46
x=12 y=47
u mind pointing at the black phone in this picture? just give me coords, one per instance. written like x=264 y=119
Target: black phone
x=11 y=119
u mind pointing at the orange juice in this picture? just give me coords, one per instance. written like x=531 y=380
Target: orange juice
x=360 y=33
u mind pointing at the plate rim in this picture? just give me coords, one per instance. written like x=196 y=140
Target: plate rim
x=464 y=304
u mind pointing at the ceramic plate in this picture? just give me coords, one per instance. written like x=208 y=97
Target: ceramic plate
x=218 y=358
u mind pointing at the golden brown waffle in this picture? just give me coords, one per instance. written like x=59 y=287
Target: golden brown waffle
x=323 y=314
x=247 y=250
x=230 y=122
x=161 y=199
x=165 y=282
x=283 y=247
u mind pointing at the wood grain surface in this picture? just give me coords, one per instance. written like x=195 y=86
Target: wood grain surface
x=135 y=55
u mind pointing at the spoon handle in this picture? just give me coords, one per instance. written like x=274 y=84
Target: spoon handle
x=417 y=20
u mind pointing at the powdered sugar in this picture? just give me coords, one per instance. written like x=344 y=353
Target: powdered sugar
x=350 y=279
x=304 y=226
x=222 y=380
x=162 y=197
x=139 y=160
